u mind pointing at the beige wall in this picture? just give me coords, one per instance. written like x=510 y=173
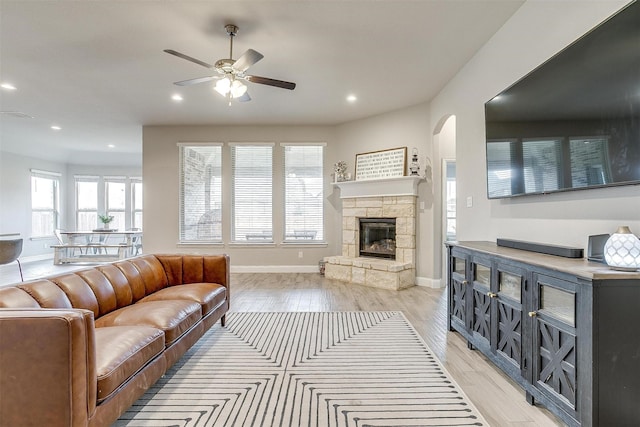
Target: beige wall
x=536 y=31
x=15 y=203
x=408 y=127
x=161 y=194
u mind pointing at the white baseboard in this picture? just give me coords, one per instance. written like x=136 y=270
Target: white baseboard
x=32 y=258
x=275 y=268
x=27 y=259
x=429 y=283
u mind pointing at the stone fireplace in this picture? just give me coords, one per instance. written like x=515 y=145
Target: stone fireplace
x=388 y=201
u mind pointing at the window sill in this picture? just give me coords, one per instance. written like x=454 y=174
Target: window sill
x=302 y=243
x=252 y=245
x=34 y=238
x=200 y=244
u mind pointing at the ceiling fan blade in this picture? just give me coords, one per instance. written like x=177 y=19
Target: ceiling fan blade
x=188 y=58
x=244 y=98
x=271 y=82
x=247 y=59
x=194 y=81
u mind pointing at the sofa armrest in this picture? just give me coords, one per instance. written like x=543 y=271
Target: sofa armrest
x=47 y=367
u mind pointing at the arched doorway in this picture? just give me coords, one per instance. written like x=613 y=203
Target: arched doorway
x=444 y=137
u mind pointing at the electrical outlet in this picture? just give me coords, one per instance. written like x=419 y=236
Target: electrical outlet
x=469 y=201
x=300 y=254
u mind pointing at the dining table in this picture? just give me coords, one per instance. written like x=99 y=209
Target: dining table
x=98 y=245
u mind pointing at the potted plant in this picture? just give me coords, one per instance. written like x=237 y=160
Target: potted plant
x=105 y=220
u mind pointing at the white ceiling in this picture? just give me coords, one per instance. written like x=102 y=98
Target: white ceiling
x=97 y=68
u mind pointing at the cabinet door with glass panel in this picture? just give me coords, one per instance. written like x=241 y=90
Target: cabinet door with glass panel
x=508 y=316
x=459 y=291
x=481 y=300
x=554 y=340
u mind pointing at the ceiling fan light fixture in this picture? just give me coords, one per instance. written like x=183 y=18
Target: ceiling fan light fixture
x=223 y=86
x=238 y=89
x=228 y=87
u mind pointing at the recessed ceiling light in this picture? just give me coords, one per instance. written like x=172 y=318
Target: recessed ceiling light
x=352 y=98
x=7 y=86
x=54 y=127
x=111 y=146
x=176 y=97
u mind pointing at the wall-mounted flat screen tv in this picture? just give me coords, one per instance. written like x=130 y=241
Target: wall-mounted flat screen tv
x=574 y=122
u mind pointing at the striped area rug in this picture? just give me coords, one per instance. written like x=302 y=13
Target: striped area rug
x=306 y=369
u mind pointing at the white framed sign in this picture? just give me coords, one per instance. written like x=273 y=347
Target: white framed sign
x=381 y=164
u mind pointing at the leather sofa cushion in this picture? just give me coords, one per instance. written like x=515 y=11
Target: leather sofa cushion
x=195 y=268
x=121 y=351
x=120 y=284
x=102 y=289
x=152 y=273
x=47 y=294
x=78 y=291
x=172 y=317
x=208 y=295
x=134 y=279
x=13 y=297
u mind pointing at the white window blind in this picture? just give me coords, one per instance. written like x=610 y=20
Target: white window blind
x=252 y=188
x=116 y=202
x=136 y=203
x=86 y=202
x=303 y=192
x=44 y=202
x=200 y=193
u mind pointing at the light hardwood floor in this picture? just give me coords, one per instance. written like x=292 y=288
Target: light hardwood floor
x=499 y=400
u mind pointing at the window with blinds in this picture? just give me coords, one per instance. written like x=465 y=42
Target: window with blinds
x=86 y=202
x=136 y=203
x=200 y=193
x=303 y=192
x=116 y=202
x=252 y=193
x=45 y=201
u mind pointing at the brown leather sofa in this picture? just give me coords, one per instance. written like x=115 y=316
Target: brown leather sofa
x=80 y=348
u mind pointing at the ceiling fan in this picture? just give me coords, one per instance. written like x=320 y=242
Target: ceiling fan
x=231 y=72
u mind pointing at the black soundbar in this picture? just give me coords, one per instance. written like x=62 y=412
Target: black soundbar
x=563 y=251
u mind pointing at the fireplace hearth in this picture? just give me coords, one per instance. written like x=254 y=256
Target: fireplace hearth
x=378 y=238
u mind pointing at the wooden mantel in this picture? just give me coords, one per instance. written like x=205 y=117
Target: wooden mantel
x=400 y=186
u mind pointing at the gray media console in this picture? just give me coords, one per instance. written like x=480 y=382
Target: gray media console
x=563 y=329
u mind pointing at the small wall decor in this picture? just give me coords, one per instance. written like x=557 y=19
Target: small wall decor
x=381 y=164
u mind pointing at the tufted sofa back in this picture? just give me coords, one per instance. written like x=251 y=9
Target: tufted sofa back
x=101 y=289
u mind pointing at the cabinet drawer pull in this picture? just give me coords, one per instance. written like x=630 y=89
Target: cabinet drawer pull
x=492 y=295
x=533 y=313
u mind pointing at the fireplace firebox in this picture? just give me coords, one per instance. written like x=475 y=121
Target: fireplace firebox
x=378 y=237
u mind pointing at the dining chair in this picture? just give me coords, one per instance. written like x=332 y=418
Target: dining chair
x=10 y=250
x=136 y=242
